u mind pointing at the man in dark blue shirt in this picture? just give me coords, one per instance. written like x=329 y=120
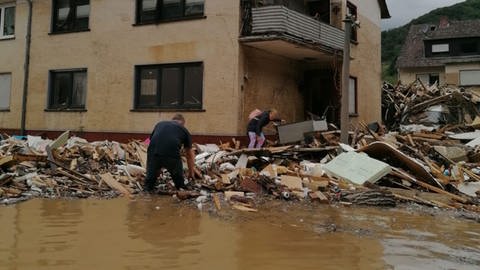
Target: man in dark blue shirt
x=166 y=141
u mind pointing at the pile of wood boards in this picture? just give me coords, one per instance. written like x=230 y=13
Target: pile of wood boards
x=69 y=167
x=427 y=105
x=435 y=168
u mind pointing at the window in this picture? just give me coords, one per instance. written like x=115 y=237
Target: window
x=469 y=77
x=151 y=11
x=7 y=21
x=70 y=15
x=429 y=78
x=352 y=11
x=176 y=86
x=5 y=86
x=469 y=47
x=68 y=89
x=440 y=48
x=352 y=96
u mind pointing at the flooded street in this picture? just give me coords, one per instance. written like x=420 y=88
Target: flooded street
x=158 y=233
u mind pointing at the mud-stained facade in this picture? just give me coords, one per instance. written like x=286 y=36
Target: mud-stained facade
x=122 y=61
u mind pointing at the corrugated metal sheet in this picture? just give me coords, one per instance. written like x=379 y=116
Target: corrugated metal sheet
x=279 y=19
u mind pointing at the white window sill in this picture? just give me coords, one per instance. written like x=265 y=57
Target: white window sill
x=6 y=37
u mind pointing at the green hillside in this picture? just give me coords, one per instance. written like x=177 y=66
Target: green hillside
x=392 y=40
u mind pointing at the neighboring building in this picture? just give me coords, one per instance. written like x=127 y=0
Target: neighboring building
x=447 y=53
x=113 y=67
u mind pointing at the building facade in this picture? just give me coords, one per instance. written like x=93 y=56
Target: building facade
x=447 y=53
x=104 y=67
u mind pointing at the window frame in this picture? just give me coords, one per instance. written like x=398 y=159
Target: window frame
x=3 y=7
x=355 y=79
x=354 y=33
x=7 y=109
x=158 y=10
x=159 y=106
x=51 y=85
x=54 y=19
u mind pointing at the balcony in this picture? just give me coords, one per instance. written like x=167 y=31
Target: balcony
x=287 y=32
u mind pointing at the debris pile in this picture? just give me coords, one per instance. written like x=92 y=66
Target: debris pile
x=427 y=106
x=433 y=168
x=69 y=167
x=432 y=158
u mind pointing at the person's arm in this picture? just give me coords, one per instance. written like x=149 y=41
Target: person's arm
x=190 y=162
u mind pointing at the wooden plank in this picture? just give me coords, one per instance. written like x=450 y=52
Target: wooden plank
x=244 y=208
x=431 y=136
x=229 y=194
x=26 y=157
x=225 y=179
x=411 y=179
x=216 y=200
x=71 y=176
x=7 y=161
x=142 y=155
x=114 y=184
x=292 y=182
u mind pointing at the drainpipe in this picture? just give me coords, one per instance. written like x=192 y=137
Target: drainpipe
x=344 y=112
x=26 y=67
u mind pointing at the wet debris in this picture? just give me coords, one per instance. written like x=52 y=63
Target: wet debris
x=436 y=166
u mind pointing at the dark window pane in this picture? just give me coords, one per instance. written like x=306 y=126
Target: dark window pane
x=433 y=79
x=79 y=90
x=172 y=9
x=68 y=89
x=70 y=15
x=62 y=86
x=63 y=14
x=193 y=7
x=193 y=86
x=148 y=87
x=468 y=47
x=9 y=23
x=171 y=85
x=149 y=10
x=82 y=15
x=352 y=11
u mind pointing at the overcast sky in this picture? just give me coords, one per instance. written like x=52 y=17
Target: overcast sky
x=403 y=11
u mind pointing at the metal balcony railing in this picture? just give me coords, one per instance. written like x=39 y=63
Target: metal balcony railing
x=292 y=24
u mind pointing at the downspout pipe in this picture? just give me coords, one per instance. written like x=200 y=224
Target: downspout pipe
x=26 y=67
x=344 y=108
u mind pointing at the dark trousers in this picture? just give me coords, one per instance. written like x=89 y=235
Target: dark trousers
x=173 y=165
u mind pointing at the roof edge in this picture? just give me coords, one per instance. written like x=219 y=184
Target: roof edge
x=385 y=14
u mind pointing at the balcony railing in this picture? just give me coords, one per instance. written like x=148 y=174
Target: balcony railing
x=292 y=24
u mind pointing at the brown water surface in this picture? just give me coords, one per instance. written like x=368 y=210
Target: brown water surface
x=158 y=233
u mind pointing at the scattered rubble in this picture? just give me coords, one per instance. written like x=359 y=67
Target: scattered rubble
x=416 y=107
x=437 y=167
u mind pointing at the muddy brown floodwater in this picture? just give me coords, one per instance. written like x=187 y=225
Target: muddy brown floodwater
x=159 y=233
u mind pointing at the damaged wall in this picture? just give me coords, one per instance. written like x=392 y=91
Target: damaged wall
x=12 y=55
x=271 y=81
x=112 y=48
